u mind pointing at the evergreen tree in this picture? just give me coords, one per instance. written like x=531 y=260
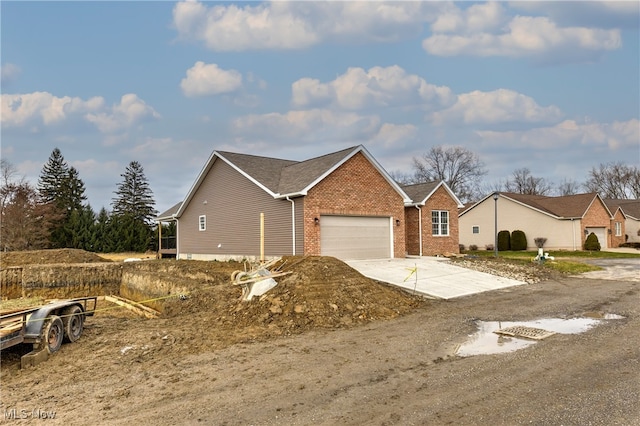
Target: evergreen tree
x=133 y=211
x=61 y=187
x=101 y=233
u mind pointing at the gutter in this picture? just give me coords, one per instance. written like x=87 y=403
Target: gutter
x=293 y=223
x=419 y=227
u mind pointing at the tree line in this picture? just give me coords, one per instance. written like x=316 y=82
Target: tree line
x=56 y=214
x=464 y=173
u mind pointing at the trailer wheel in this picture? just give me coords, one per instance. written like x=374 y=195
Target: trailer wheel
x=73 y=321
x=53 y=334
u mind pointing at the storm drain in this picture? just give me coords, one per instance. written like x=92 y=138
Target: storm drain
x=525 y=332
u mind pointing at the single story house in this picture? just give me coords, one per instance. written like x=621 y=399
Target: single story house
x=342 y=204
x=626 y=224
x=564 y=221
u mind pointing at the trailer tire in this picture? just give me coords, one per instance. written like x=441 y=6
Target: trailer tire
x=53 y=334
x=73 y=321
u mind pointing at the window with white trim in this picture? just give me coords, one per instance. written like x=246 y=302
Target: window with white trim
x=202 y=222
x=618 y=229
x=440 y=222
x=476 y=229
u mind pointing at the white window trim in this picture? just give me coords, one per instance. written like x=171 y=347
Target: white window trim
x=618 y=229
x=440 y=234
x=202 y=222
x=473 y=229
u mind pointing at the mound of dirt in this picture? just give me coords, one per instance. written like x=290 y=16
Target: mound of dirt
x=42 y=257
x=319 y=292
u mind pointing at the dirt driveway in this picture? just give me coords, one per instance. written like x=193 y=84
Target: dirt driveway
x=401 y=371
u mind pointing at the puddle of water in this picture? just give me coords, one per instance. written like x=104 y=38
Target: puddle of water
x=486 y=342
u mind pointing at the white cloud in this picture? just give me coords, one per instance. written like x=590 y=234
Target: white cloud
x=209 y=79
x=377 y=87
x=129 y=112
x=498 y=106
x=481 y=30
x=44 y=108
x=320 y=127
x=8 y=73
x=585 y=135
x=299 y=24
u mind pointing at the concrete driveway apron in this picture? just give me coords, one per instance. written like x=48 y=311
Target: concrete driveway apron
x=431 y=276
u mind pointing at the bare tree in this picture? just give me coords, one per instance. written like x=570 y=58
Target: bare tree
x=568 y=187
x=614 y=180
x=522 y=182
x=401 y=177
x=460 y=168
x=24 y=220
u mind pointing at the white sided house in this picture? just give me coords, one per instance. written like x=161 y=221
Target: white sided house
x=564 y=221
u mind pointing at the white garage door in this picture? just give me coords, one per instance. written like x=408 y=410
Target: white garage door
x=355 y=237
x=601 y=234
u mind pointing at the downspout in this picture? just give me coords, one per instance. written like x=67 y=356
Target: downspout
x=420 y=227
x=293 y=223
x=573 y=232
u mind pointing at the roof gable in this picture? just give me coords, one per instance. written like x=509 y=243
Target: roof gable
x=630 y=208
x=562 y=207
x=421 y=192
x=285 y=178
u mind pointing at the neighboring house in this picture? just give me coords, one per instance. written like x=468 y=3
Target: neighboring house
x=626 y=222
x=431 y=220
x=564 y=221
x=342 y=204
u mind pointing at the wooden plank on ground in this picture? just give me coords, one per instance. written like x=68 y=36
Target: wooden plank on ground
x=133 y=306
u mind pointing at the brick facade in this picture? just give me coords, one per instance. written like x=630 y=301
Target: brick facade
x=616 y=240
x=433 y=244
x=355 y=188
x=597 y=216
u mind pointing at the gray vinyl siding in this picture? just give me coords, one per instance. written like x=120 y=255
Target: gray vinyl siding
x=232 y=205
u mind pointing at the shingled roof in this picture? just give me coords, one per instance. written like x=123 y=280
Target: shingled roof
x=282 y=178
x=566 y=206
x=630 y=208
x=420 y=192
x=562 y=207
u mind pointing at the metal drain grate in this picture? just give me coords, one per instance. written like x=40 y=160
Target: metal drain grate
x=526 y=332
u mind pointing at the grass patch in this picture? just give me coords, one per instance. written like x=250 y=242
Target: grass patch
x=566 y=262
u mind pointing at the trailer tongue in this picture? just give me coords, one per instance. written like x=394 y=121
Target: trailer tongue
x=46 y=326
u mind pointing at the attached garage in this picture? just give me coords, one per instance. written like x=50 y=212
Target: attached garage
x=356 y=237
x=601 y=233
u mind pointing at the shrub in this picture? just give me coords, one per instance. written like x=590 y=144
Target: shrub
x=540 y=241
x=592 y=243
x=473 y=247
x=504 y=241
x=518 y=240
x=489 y=247
x=461 y=247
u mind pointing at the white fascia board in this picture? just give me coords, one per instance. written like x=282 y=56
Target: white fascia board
x=446 y=187
x=243 y=173
x=203 y=173
x=373 y=161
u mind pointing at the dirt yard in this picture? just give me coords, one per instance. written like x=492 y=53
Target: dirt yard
x=329 y=346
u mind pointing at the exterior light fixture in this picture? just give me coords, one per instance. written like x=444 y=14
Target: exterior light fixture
x=397 y=222
x=586 y=232
x=316 y=220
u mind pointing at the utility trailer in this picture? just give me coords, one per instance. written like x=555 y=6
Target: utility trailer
x=46 y=326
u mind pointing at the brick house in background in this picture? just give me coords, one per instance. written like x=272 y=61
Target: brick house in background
x=343 y=204
x=626 y=220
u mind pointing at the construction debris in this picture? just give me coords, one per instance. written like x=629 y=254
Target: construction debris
x=257 y=281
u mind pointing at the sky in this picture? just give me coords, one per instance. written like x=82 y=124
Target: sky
x=550 y=86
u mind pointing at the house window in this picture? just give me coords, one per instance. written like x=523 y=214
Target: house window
x=618 y=229
x=476 y=229
x=439 y=222
x=202 y=223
